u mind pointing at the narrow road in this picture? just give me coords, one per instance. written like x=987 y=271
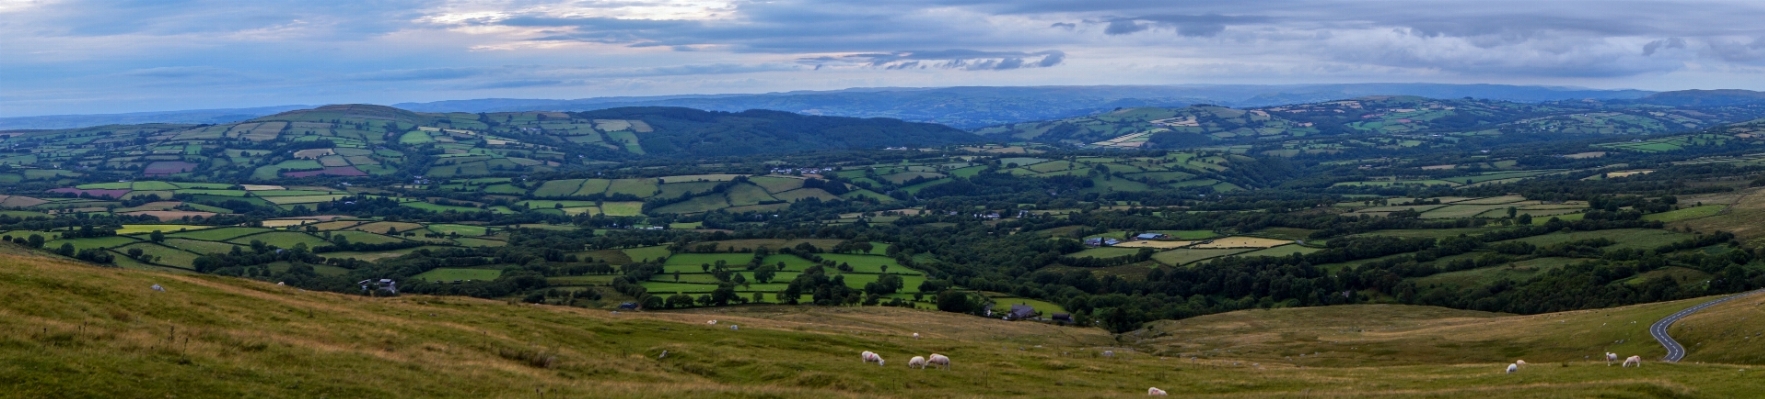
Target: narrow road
x=1675 y=351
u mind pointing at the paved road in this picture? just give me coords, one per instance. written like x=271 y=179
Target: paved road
x=1659 y=330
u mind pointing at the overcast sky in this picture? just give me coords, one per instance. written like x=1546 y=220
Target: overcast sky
x=61 y=57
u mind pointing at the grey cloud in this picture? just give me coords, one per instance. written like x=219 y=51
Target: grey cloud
x=1734 y=51
x=1669 y=43
x=971 y=60
x=1064 y=25
x=1123 y=27
x=1185 y=25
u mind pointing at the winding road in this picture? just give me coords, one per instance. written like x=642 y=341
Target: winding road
x=1675 y=351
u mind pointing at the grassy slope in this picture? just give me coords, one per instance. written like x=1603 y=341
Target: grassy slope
x=79 y=331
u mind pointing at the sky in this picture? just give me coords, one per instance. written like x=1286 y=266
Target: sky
x=86 y=57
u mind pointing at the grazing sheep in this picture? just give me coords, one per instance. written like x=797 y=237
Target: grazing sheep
x=1108 y=353
x=733 y=327
x=1520 y=362
x=664 y=355
x=1154 y=391
x=872 y=357
x=1611 y=357
x=1512 y=368
x=917 y=362
x=1636 y=360
x=156 y=287
x=915 y=335
x=939 y=361
x=712 y=322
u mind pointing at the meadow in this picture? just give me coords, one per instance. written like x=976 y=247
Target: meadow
x=264 y=337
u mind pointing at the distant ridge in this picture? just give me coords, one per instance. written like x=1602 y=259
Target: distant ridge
x=1725 y=97
x=967 y=107
x=195 y=116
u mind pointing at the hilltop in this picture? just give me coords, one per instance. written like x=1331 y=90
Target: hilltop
x=73 y=329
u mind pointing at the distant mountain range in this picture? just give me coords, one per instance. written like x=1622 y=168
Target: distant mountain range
x=964 y=107
x=194 y=116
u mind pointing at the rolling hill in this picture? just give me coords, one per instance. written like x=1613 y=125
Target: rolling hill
x=372 y=140
x=74 y=330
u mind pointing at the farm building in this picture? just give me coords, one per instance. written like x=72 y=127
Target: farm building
x=1020 y=312
x=1063 y=318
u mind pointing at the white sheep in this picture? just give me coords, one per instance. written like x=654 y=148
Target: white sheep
x=1611 y=357
x=872 y=357
x=156 y=287
x=915 y=335
x=1512 y=368
x=733 y=327
x=1110 y=354
x=1154 y=391
x=712 y=322
x=1636 y=360
x=917 y=362
x=939 y=361
x=1520 y=362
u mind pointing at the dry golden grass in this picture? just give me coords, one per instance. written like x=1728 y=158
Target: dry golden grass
x=73 y=330
x=1243 y=242
x=274 y=223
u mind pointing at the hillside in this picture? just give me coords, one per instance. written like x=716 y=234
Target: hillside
x=73 y=329
x=372 y=140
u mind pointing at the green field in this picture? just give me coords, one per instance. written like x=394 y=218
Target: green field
x=641 y=188
x=164 y=228
x=463 y=229
x=451 y=274
x=220 y=234
x=282 y=239
x=1686 y=213
x=1281 y=251
x=1185 y=256
x=91 y=243
x=1187 y=234
x=1644 y=239
x=164 y=255
x=357 y=236
x=654 y=253
x=869 y=263
x=201 y=247
x=1104 y=252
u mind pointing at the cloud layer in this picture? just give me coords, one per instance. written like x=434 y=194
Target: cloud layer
x=76 y=56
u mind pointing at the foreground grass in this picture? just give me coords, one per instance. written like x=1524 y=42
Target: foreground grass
x=74 y=330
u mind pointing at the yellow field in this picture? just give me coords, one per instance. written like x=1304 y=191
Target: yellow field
x=260 y=187
x=272 y=223
x=1243 y=242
